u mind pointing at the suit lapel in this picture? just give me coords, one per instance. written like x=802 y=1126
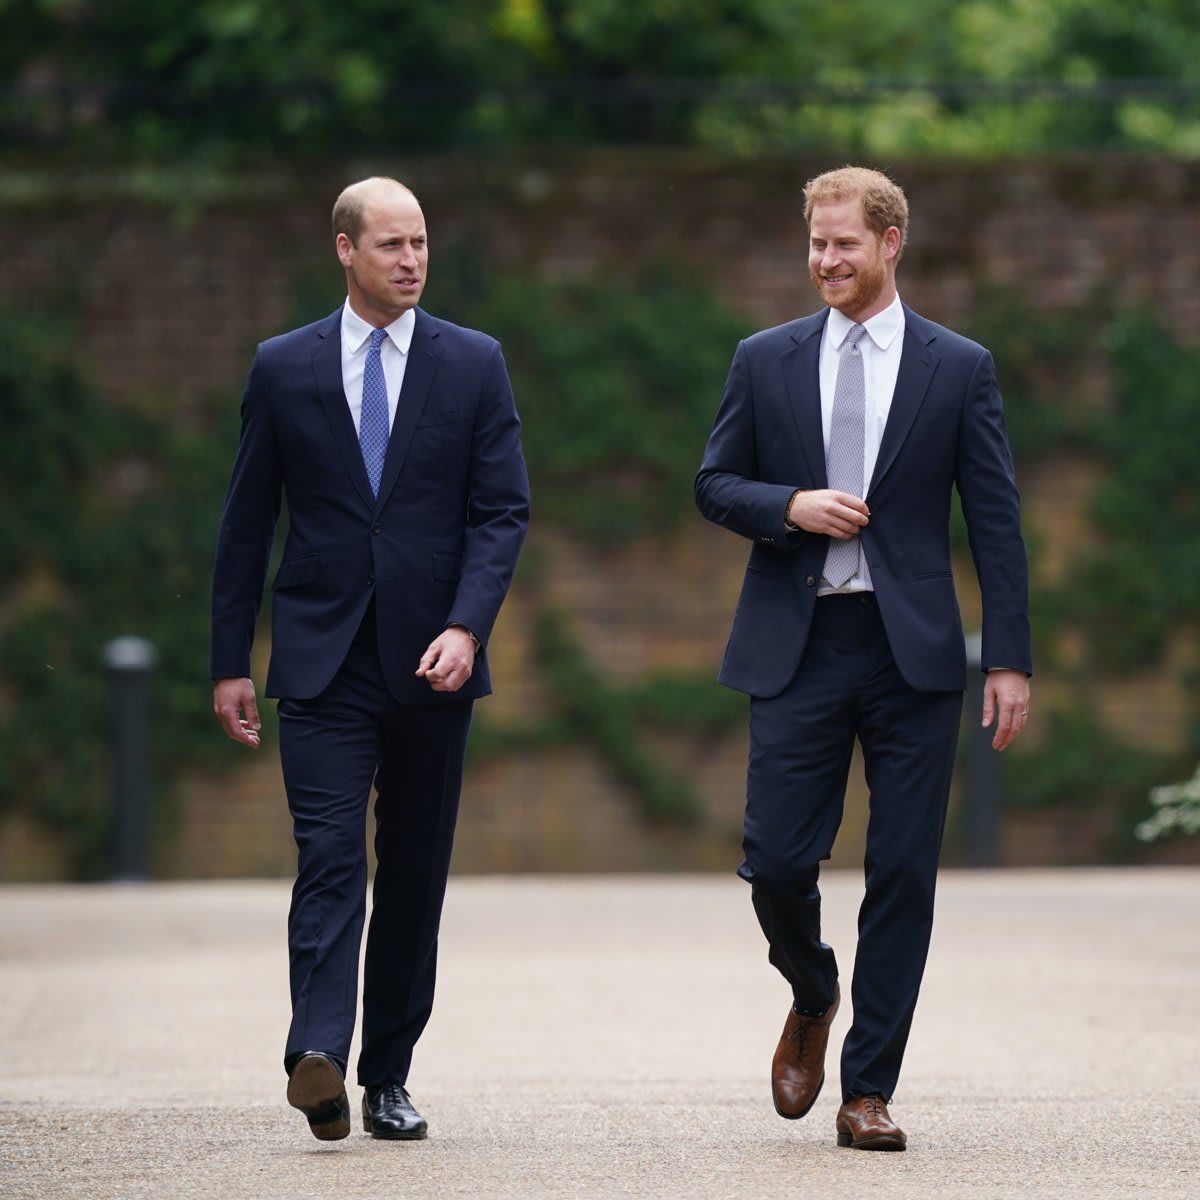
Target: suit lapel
x=327 y=365
x=917 y=366
x=802 y=379
x=414 y=394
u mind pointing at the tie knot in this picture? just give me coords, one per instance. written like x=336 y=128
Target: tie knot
x=377 y=336
x=856 y=334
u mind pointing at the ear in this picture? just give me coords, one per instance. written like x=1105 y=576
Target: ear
x=345 y=249
x=891 y=242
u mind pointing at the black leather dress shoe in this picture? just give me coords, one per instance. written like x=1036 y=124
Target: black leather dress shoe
x=389 y=1113
x=316 y=1087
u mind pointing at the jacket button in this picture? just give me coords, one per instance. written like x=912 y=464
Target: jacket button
x=811 y=581
x=370 y=581
x=377 y=529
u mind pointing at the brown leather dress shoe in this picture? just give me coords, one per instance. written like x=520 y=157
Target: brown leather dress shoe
x=863 y=1123
x=798 y=1069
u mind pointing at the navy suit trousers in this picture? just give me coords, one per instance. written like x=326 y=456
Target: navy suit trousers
x=333 y=748
x=848 y=686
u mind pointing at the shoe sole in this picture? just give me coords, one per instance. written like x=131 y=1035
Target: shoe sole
x=883 y=1142
x=788 y=1116
x=414 y=1136
x=319 y=1092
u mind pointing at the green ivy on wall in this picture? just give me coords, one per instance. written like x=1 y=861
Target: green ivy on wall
x=106 y=527
x=1113 y=384
x=107 y=518
x=615 y=721
x=1144 y=580
x=618 y=382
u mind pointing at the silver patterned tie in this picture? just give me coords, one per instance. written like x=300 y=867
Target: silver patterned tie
x=844 y=458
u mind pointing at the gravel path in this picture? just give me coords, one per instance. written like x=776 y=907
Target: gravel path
x=604 y=1037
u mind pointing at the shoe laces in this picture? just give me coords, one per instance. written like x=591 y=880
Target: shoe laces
x=393 y=1093
x=874 y=1105
x=801 y=1034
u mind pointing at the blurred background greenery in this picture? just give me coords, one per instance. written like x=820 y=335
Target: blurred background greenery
x=237 y=79
x=613 y=191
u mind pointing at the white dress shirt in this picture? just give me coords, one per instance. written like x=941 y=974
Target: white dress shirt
x=881 y=364
x=356 y=334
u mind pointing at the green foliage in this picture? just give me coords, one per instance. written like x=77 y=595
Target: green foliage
x=1080 y=765
x=222 y=78
x=614 y=720
x=1176 y=810
x=106 y=526
x=107 y=518
x=686 y=700
x=1038 y=365
x=1141 y=582
x=1080 y=762
x=593 y=711
x=1139 y=585
x=1144 y=582
x=616 y=405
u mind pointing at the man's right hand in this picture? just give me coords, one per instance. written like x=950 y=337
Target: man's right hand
x=838 y=514
x=233 y=702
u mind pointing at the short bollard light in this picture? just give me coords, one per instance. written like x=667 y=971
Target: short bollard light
x=130 y=661
x=983 y=786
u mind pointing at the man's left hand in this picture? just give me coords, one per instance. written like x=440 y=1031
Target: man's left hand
x=449 y=661
x=1006 y=698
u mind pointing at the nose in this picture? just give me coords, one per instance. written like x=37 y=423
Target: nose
x=829 y=260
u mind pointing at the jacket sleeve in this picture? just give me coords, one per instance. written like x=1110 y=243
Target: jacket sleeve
x=992 y=507
x=727 y=490
x=246 y=533
x=498 y=505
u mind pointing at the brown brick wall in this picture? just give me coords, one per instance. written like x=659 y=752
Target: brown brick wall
x=170 y=306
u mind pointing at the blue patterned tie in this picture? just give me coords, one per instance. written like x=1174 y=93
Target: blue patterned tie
x=844 y=458
x=373 y=425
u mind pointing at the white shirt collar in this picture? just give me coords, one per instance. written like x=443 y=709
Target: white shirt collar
x=881 y=328
x=356 y=331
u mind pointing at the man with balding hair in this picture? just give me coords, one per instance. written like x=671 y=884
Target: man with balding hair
x=839 y=439
x=395 y=439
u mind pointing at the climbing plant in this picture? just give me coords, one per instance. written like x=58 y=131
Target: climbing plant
x=106 y=526
x=1112 y=383
x=107 y=516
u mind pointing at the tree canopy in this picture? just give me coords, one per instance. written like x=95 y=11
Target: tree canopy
x=252 y=77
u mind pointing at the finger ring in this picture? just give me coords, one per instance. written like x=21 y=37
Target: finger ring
x=1023 y=713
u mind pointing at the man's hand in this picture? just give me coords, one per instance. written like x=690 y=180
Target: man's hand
x=1006 y=697
x=449 y=661
x=231 y=699
x=838 y=514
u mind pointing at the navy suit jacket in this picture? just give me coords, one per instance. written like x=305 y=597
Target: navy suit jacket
x=437 y=547
x=945 y=429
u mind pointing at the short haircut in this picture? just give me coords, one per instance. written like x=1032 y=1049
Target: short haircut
x=883 y=201
x=350 y=207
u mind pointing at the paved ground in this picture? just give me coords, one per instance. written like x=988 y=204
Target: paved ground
x=606 y=1037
